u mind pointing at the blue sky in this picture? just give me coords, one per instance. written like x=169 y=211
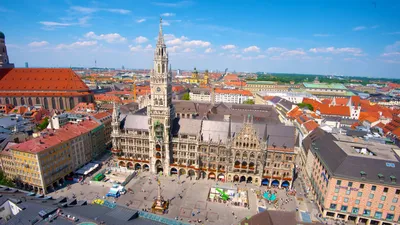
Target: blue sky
x=360 y=38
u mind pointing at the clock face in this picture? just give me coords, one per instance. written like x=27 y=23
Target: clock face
x=158 y=89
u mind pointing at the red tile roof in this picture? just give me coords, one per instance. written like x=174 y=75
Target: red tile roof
x=107 y=98
x=380 y=125
x=84 y=106
x=233 y=91
x=340 y=101
x=310 y=125
x=296 y=111
x=101 y=115
x=326 y=101
x=46 y=79
x=69 y=131
x=334 y=110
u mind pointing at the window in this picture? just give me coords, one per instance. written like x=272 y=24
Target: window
x=357 y=201
x=336 y=190
x=348 y=192
x=395 y=200
x=383 y=198
x=369 y=203
x=338 y=182
x=333 y=206
x=373 y=188
x=380 y=205
x=378 y=215
x=392 y=208
x=371 y=196
x=397 y=191
x=343 y=208
x=367 y=212
x=385 y=189
x=346 y=200
x=334 y=198
x=355 y=210
x=350 y=184
x=389 y=217
x=359 y=194
x=361 y=186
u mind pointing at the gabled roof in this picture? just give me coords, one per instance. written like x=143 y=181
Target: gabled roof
x=333 y=110
x=43 y=79
x=310 y=125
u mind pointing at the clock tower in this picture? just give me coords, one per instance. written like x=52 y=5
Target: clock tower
x=161 y=111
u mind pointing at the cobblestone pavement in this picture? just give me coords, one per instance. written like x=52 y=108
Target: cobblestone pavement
x=186 y=197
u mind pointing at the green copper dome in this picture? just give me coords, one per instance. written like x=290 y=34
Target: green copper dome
x=2 y=35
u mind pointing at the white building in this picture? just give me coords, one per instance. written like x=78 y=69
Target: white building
x=232 y=96
x=200 y=94
x=295 y=97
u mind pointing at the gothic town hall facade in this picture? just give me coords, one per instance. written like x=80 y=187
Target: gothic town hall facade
x=225 y=142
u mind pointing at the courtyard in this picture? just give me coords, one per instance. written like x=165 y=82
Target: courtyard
x=188 y=198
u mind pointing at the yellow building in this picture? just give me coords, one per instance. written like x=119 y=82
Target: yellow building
x=194 y=79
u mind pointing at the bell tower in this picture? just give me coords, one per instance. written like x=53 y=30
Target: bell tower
x=4 y=62
x=161 y=111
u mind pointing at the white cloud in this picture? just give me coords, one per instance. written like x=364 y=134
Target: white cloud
x=140 y=48
x=394 y=47
x=174 y=5
x=140 y=20
x=38 y=44
x=388 y=54
x=275 y=50
x=77 y=44
x=168 y=14
x=209 y=50
x=187 y=50
x=141 y=39
x=252 y=49
x=293 y=52
x=51 y=25
x=165 y=23
x=333 y=50
x=88 y=10
x=110 y=38
x=197 y=43
x=322 y=35
x=359 y=28
x=228 y=47
x=54 y=24
x=391 y=61
x=174 y=49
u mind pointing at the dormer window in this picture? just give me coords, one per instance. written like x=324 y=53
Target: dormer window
x=393 y=179
x=381 y=177
x=363 y=175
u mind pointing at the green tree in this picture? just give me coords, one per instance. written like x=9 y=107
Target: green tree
x=249 y=102
x=5 y=181
x=306 y=105
x=186 y=96
x=44 y=124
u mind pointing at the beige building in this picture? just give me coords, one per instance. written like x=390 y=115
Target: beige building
x=354 y=180
x=41 y=164
x=221 y=141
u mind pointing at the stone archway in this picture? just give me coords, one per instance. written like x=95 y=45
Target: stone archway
x=249 y=180
x=182 y=172
x=122 y=164
x=285 y=184
x=191 y=173
x=138 y=166
x=129 y=165
x=265 y=182
x=275 y=183
x=236 y=178
x=159 y=167
x=242 y=179
x=146 y=167
x=221 y=177
x=174 y=171
x=211 y=176
x=203 y=174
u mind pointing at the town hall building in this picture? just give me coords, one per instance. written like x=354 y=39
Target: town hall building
x=226 y=142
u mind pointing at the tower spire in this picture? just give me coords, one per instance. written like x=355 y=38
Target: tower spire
x=160 y=34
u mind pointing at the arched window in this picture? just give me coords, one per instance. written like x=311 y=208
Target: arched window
x=61 y=103
x=46 y=104
x=53 y=103
x=37 y=101
x=15 y=101
x=163 y=67
x=30 y=101
x=22 y=101
x=158 y=65
x=7 y=101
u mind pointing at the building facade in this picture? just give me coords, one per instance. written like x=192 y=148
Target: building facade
x=355 y=180
x=221 y=141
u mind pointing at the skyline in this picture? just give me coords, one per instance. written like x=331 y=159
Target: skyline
x=353 y=39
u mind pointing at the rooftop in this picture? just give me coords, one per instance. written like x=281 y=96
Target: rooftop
x=52 y=138
x=325 y=86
